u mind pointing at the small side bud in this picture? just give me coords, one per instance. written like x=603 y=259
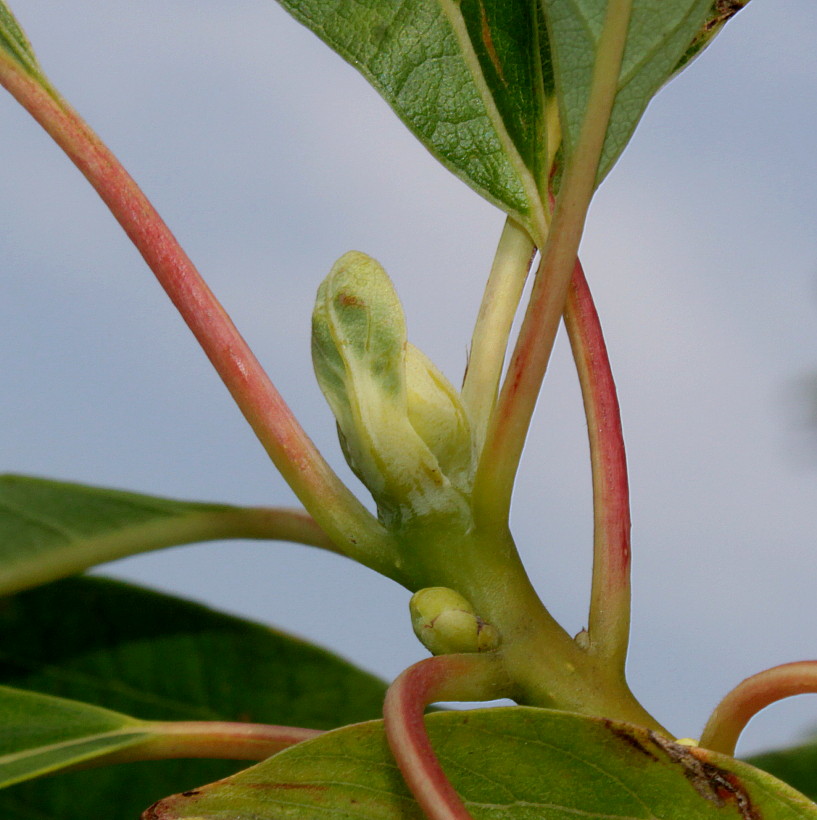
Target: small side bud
x=446 y=623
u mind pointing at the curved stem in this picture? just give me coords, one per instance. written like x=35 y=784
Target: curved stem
x=489 y=341
x=609 y=620
x=215 y=740
x=320 y=490
x=446 y=677
x=511 y=418
x=220 y=740
x=733 y=713
x=215 y=524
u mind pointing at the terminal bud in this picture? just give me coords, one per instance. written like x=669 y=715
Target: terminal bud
x=401 y=425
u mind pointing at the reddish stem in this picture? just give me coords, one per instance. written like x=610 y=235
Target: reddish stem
x=334 y=507
x=446 y=677
x=214 y=740
x=609 y=623
x=220 y=740
x=733 y=713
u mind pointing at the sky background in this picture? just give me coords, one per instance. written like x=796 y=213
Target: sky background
x=269 y=158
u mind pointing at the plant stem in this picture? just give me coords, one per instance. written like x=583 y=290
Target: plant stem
x=546 y=667
x=511 y=418
x=755 y=693
x=447 y=677
x=215 y=740
x=222 y=740
x=262 y=523
x=489 y=342
x=609 y=619
x=356 y=532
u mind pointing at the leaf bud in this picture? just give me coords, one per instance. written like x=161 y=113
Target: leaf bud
x=446 y=623
x=400 y=423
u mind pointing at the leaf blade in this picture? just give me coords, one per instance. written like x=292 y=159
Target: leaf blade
x=43 y=734
x=51 y=529
x=155 y=657
x=662 y=37
x=511 y=763
x=796 y=766
x=423 y=66
x=15 y=45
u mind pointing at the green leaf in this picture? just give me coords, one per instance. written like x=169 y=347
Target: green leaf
x=720 y=12
x=796 y=766
x=42 y=734
x=658 y=39
x=513 y=69
x=14 y=44
x=465 y=78
x=505 y=763
x=477 y=80
x=158 y=658
x=50 y=529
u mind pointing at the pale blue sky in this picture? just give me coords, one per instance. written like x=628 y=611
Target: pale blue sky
x=270 y=158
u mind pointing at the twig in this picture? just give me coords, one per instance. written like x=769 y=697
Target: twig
x=733 y=713
x=446 y=677
x=335 y=508
x=609 y=620
x=510 y=421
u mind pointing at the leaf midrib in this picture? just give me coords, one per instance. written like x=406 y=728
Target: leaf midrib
x=536 y=220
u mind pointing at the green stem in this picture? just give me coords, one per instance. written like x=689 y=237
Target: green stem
x=356 y=532
x=511 y=418
x=609 y=620
x=738 y=707
x=545 y=665
x=447 y=677
x=489 y=342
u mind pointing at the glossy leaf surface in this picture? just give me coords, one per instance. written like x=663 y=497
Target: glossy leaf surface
x=158 y=658
x=505 y=763
x=43 y=734
x=796 y=766
x=50 y=529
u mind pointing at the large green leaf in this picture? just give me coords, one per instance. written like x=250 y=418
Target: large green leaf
x=50 y=529
x=42 y=734
x=796 y=766
x=157 y=658
x=658 y=37
x=475 y=80
x=720 y=13
x=466 y=78
x=512 y=763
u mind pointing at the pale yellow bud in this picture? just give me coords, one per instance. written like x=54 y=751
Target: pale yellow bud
x=446 y=623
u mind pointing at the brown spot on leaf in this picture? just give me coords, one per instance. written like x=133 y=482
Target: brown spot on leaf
x=713 y=783
x=312 y=787
x=488 y=42
x=630 y=738
x=723 y=10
